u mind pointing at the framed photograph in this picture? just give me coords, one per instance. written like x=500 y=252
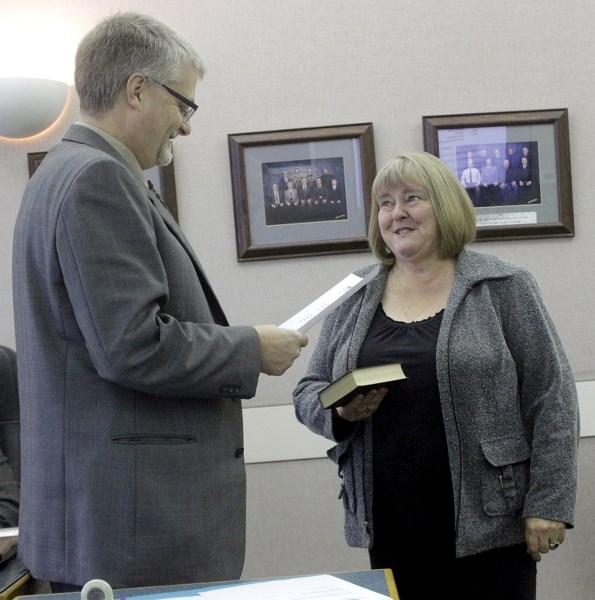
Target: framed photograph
x=162 y=178
x=34 y=160
x=302 y=192
x=515 y=167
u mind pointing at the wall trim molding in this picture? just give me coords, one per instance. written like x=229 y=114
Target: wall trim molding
x=273 y=434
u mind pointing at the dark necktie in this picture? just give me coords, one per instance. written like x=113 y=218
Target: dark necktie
x=157 y=194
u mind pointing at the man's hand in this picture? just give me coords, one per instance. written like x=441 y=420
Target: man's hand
x=279 y=347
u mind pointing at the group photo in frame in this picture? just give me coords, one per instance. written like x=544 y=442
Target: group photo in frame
x=163 y=180
x=515 y=167
x=302 y=192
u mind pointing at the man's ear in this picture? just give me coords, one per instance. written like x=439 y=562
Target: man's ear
x=135 y=85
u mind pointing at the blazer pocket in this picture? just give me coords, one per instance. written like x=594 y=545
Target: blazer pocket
x=153 y=439
x=505 y=478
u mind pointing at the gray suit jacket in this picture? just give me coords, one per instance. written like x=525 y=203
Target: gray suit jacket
x=130 y=384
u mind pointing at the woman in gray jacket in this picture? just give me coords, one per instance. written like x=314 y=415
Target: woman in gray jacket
x=462 y=475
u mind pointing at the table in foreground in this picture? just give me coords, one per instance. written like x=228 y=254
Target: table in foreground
x=15 y=580
x=376 y=580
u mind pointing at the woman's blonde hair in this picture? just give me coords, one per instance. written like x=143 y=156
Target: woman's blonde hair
x=451 y=203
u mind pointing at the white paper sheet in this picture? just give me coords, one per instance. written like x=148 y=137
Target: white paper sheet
x=317 y=587
x=9 y=532
x=317 y=310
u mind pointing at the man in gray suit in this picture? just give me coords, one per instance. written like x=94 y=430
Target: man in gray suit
x=130 y=377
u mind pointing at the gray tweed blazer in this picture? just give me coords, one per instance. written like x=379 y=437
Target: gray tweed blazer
x=508 y=398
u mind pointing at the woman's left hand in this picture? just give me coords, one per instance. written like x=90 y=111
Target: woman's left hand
x=362 y=406
x=543 y=535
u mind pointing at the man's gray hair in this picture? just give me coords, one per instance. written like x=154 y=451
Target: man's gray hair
x=123 y=44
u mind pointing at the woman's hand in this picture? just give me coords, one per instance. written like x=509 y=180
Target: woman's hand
x=543 y=535
x=362 y=406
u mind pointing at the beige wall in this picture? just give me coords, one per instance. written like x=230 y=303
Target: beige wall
x=388 y=62
x=385 y=61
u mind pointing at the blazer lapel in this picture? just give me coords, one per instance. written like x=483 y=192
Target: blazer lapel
x=214 y=306
x=84 y=135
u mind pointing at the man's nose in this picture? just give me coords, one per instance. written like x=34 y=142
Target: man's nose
x=185 y=128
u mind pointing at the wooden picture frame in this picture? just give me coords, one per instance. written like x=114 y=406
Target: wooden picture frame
x=538 y=203
x=163 y=179
x=303 y=223
x=34 y=160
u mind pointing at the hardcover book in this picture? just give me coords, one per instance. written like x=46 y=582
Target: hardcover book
x=360 y=381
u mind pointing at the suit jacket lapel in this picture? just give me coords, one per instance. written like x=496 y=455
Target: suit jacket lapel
x=172 y=225
x=84 y=135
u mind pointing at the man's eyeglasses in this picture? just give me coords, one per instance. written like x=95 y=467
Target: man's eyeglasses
x=188 y=110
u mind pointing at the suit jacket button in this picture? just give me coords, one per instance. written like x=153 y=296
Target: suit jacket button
x=239 y=452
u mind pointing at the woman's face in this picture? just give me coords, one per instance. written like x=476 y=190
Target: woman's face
x=408 y=224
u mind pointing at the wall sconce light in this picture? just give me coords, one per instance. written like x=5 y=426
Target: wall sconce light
x=30 y=105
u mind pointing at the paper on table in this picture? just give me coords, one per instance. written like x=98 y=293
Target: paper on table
x=9 y=537
x=317 y=587
x=317 y=310
x=9 y=532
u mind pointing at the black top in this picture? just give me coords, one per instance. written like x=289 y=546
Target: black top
x=412 y=485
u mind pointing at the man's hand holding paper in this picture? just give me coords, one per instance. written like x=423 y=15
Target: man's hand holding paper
x=279 y=347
